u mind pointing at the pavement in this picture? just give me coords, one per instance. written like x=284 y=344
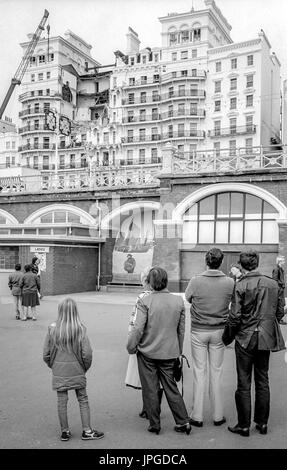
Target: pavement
x=28 y=408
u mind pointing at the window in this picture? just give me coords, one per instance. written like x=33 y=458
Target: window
x=193 y=89
x=131 y=81
x=232 y=148
x=141 y=156
x=40 y=92
x=106 y=137
x=233 y=84
x=130 y=135
x=114 y=82
x=181 y=90
x=193 y=73
x=8 y=162
x=40 y=76
x=13 y=145
x=45 y=162
x=184 y=73
x=217 y=105
x=217 y=128
x=46 y=142
x=231 y=217
x=250 y=60
x=172 y=38
x=72 y=161
x=154 y=114
x=193 y=129
x=36 y=124
x=156 y=57
x=142 y=135
x=192 y=150
x=249 y=101
x=35 y=162
x=232 y=125
x=249 y=146
x=180 y=150
x=47 y=91
x=115 y=100
x=193 y=53
x=36 y=108
x=132 y=61
x=173 y=74
x=32 y=61
x=181 y=110
x=130 y=116
x=156 y=78
x=41 y=59
x=170 y=131
x=217 y=66
x=155 y=96
x=154 y=133
x=32 y=77
x=170 y=110
x=196 y=34
x=144 y=59
x=249 y=81
x=174 y=56
x=131 y=98
x=216 y=147
x=143 y=97
x=36 y=142
x=183 y=55
x=7 y=145
x=51 y=57
x=249 y=123
x=180 y=130
x=130 y=157
x=184 y=36
x=233 y=103
x=217 y=86
x=142 y=115
x=170 y=92
x=143 y=80
x=193 y=109
x=154 y=155
x=233 y=63
x=46 y=106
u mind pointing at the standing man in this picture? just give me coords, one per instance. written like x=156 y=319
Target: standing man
x=209 y=294
x=253 y=324
x=279 y=276
x=14 y=286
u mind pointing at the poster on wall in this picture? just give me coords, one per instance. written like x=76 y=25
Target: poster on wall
x=134 y=246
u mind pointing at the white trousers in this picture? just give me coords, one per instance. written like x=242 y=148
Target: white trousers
x=207 y=349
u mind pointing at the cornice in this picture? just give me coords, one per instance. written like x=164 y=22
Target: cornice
x=230 y=47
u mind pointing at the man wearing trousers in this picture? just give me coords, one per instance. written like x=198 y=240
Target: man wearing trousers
x=209 y=294
x=278 y=275
x=253 y=324
x=14 y=285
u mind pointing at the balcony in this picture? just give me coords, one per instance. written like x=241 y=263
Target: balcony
x=186 y=112
x=226 y=132
x=150 y=99
x=188 y=74
x=140 y=82
x=30 y=147
x=193 y=134
x=146 y=118
x=34 y=110
x=141 y=138
x=38 y=94
x=27 y=129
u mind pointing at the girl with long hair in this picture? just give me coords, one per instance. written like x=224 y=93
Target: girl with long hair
x=67 y=351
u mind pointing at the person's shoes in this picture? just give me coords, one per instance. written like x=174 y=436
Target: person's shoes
x=143 y=414
x=17 y=317
x=152 y=429
x=65 y=436
x=29 y=318
x=262 y=428
x=220 y=422
x=92 y=434
x=197 y=424
x=183 y=428
x=41 y=297
x=24 y=319
x=282 y=322
x=238 y=430
x=34 y=318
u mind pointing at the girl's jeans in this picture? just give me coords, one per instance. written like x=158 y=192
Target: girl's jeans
x=84 y=409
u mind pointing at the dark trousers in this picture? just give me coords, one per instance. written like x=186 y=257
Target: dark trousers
x=153 y=372
x=246 y=359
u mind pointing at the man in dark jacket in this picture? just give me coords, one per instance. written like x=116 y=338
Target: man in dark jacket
x=279 y=276
x=252 y=322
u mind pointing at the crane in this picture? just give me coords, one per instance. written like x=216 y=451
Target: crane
x=16 y=80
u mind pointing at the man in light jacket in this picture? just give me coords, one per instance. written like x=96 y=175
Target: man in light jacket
x=209 y=294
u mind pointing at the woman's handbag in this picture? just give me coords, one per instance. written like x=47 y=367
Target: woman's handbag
x=178 y=369
x=132 y=375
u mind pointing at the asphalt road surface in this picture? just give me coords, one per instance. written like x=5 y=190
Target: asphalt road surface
x=28 y=413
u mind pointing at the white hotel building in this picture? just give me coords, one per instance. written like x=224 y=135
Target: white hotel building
x=199 y=90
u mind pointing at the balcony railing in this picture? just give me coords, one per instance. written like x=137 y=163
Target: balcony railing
x=38 y=94
x=232 y=131
x=30 y=147
x=187 y=74
x=26 y=129
x=33 y=110
x=183 y=134
x=140 y=82
x=165 y=96
x=233 y=161
x=194 y=112
x=138 y=118
x=137 y=176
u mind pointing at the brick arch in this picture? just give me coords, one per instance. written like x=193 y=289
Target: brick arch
x=127 y=207
x=201 y=193
x=54 y=207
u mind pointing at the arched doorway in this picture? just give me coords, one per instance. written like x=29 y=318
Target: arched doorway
x=232 y=217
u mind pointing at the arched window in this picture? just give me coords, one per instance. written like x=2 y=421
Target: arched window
x=231 y=217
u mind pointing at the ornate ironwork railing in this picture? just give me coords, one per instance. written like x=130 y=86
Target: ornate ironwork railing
x=137 y=176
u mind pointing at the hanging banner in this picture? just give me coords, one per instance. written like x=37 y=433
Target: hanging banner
x=64 y=125
x=50 y=120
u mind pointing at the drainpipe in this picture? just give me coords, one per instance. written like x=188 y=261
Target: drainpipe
x=99 y=248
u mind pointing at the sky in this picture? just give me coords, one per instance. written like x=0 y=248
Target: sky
x=104 y=24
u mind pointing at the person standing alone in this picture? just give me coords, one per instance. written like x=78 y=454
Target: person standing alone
x=14 y=285
x=209 y=295
x=252 y=322
x=278 y=275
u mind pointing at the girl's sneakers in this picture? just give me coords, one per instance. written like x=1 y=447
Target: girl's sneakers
x=92 y=434
x=65 y=436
